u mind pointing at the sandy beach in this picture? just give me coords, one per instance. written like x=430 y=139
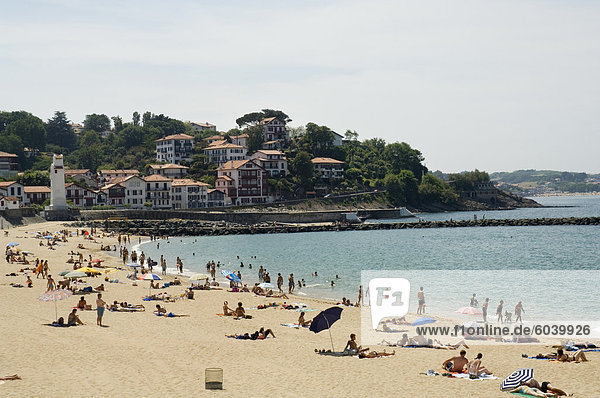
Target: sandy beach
x=140 y=354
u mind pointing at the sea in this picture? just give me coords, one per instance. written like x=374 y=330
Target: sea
x=553 y=270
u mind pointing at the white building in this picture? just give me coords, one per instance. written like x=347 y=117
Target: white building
x=81 y=196
x=36 y=194
x=215 y=198
x=158 y=191
x=274 y=130
x=82 y=175
x=273 y=161
x=199 y=127
x=135 y=191
x=219 y=154
x=169 y=170
x=328 y=168
x=13 y=189
x=175 y=148
x=8 y=202
x=188 y=194
x=241 y=140
x=107 y=176
x=9 y=164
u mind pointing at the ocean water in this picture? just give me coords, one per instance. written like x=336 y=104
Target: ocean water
x=551 y=259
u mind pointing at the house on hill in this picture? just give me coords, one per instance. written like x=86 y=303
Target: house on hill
x=175 y=148
x=328 y=168
x=9 y=164
x=244 y=182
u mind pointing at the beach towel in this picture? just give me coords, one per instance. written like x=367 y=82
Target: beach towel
x=464 y=376
x=56 y=325
x=338 y=353
x=293 y=325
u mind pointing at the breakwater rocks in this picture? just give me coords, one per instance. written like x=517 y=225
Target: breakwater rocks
x=203 y=228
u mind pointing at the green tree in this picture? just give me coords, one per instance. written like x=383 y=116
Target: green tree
x=402 y=157
x=60 y=132
x=402 y=188
x=255 y=138
x=96 y=122
x=29 y=128
x=254 y=118
x=434 y=190
x=318 y=139
x=35 y=178
x=118 y=123
x=302 y=167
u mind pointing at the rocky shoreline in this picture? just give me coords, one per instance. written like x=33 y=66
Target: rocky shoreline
x=203 y=228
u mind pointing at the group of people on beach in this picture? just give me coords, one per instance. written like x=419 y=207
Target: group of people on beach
x=503 y=316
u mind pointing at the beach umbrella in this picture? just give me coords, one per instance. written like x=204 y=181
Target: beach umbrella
x=88 y=270
x=55 y=295
x=469 y=311
x=324 y=321
x=75 y=274
x=109 y=270
x=231 y=276
x=97 y=260
x=266 y=285
x=422 y=321
x=516 y=377
x=151 y=277
x=133 y=265
x=11 y=244
x=63 y=273
x=48 y=237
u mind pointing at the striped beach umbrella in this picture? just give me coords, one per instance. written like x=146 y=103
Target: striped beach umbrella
x=151 y=277
x=55 y=295
x=516 y=378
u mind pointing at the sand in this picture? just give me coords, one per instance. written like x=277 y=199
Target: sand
x=140 y=354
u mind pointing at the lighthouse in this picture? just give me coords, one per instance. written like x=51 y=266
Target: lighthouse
x=58 y=196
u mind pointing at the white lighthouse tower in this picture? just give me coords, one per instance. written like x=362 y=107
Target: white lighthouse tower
x=58 y=196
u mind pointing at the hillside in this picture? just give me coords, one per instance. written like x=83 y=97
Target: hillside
x=540 y=182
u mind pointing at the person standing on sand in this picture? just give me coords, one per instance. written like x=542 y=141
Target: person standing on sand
x=50 y=284
x=499 y=311
x=518 y=310
x=100 y=304
x=360 y=296
x=279 y=282
x=484 y=308
x=163 y=265
x=421 y=297
x=291 y=284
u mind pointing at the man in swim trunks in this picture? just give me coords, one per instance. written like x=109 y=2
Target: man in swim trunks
x=456 y=364
x=421 y=297
x=100 y=304
x=73 y=319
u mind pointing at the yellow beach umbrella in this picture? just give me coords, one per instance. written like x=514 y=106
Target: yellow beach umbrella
x=109 y=270
x=88 y=270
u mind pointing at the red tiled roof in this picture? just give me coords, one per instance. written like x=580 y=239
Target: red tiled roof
x=156 y=178
x=8 y=155
x=326 y=160
x=37 y=189
x=176 y=137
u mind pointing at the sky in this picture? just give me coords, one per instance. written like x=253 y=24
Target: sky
x=492 y=85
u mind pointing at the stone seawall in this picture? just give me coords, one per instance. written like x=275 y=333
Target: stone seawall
x=196 y=228
x=239 y=217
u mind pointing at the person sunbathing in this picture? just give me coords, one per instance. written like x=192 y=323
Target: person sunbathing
x=73 y=319
x=100 y=288
x=276 y=295
x=353 y=347
x=81 y=304
x=375 y=354
x=302 y=322
x=258 y=290
x=476 y=369
x=578 y=356
x=534 y=392
x=263 y=334
x=160 y=310
x=456 y=364
x=545 y=387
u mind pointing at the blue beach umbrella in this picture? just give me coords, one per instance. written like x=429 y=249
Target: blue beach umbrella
x=231 y=276
x=133 y=265
x=151 y=277
x=324 y=321
x=11 y=244
x=422 y=321
x=516 y=377
x=48 y=237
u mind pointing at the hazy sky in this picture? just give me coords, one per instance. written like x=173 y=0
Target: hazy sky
x=494 y=85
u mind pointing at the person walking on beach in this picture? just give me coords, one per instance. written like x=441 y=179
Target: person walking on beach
x=484 y=308
x=163 y=265
x=279 y=282
x=421 y=297
x=100 y=304
x=518 y=310
x=499 y=311
x=360 y=295
x=50 y=284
